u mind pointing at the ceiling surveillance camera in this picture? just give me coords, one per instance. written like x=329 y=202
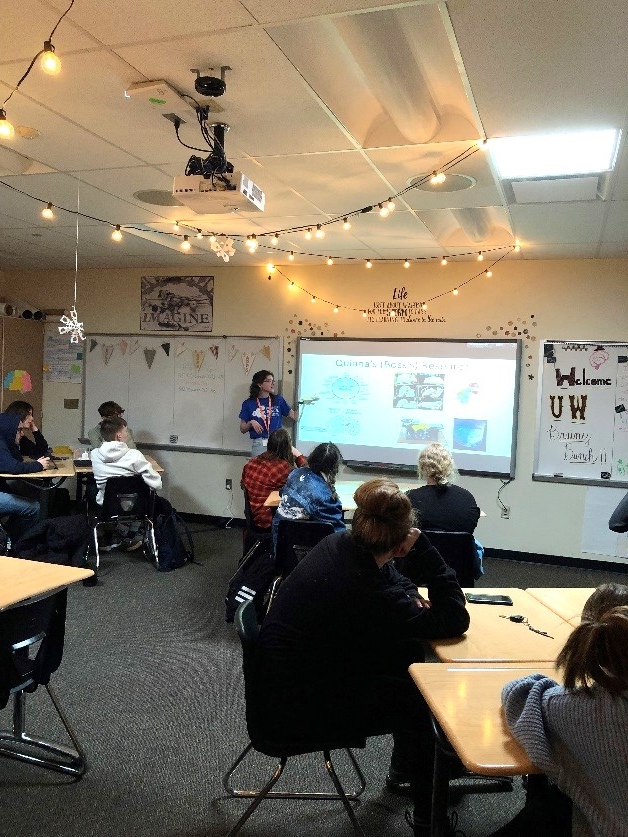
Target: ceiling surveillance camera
x=210 y=85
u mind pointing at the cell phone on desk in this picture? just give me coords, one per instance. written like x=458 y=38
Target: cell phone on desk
x=488 y=598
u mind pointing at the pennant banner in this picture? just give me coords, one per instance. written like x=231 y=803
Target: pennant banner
x=214 y=351
x=107 y=351
x=266 y=351
x=166 y=348
x=149 y=355
x=198 y=356
x=247 y=361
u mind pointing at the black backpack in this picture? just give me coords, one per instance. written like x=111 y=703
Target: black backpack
x=175 y=546
x=252 y=579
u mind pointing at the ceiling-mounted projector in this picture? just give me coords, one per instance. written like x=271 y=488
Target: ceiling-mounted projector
x=214 y=196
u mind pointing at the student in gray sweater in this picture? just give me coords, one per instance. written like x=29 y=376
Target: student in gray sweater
x=577 y=734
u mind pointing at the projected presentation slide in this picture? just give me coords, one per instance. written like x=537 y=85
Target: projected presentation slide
x=382 y=401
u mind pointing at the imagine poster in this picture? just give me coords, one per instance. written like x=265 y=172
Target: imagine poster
x=177 y=303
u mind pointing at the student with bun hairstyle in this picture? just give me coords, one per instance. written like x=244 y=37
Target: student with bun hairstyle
x=577 y=733
x=345 y=625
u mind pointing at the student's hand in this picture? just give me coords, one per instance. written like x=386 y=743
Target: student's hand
x=296 y=453
x=256 y=426
x=407 y=543
x=44 y=461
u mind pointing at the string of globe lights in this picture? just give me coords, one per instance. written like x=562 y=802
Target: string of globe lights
x=50 y=64
x=486 y=272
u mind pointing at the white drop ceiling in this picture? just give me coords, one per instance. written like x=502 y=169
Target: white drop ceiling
x=333 y=105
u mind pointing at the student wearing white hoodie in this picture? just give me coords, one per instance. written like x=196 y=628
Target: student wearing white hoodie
x=114 y=458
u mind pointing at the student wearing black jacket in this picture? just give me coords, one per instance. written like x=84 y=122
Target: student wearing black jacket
x=32 y=447
x=24 y=511
x=344 y=627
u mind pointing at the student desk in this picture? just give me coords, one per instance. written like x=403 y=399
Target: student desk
x=22 y=580
x=567 y=602
x=491 y=638
x=84 y=469
x=64 y=469
x=465 y=700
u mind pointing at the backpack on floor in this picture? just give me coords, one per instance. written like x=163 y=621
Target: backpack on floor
x=252 y=579
x=175 y=546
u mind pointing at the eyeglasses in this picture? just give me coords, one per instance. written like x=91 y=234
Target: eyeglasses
x=268 y=381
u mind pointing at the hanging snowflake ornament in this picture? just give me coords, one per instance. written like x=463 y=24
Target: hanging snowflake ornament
x=72 y=326
x=223 y=248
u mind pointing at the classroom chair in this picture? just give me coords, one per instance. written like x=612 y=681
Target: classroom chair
x=264 y=738
x=31 y=649
x=295 y=538
x=252 y=534
x=458 y=552
x=128 y=499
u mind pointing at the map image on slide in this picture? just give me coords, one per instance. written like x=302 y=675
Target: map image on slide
x=420 y=391
x=415 y=431
x=469 y=434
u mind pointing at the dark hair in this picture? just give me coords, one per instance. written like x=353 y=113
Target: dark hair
x=110 y=408
x=110 y=426
x=383 y=517
x=597 y=652
x=280 y=445
x=22 y=408
x=605 y=597
x=325 y=460
x=258 y=380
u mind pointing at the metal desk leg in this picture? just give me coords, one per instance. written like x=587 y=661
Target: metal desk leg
x=440 y=791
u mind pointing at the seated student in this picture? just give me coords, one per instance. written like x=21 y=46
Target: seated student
x=32 y=447
x=441 y=505
x=618 y=521
x=114 y=458
x=577 y=733
x=310 y=493
x=345 y=625
x=24 y=511
x=269 y=472
x=109 y=409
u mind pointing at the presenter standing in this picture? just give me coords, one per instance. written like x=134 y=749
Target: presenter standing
x=263 y=411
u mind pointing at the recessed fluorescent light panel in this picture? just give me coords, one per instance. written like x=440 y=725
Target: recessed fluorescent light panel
x=555 y=155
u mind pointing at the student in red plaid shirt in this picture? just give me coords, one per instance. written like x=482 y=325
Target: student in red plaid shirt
x=269 y=472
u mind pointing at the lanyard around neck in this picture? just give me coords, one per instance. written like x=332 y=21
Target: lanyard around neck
x=266 y=414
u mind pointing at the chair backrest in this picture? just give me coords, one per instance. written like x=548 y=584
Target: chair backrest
x=458 y=552
x=246 y=624
x=252 y=533
x=31 y=644
x=295 y=538
x=127 y=498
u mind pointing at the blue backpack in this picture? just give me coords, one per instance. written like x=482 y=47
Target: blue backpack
x=175 y=546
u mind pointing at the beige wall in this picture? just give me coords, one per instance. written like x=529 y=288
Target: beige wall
x=549 y=299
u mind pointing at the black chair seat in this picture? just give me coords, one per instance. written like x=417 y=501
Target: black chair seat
x=458 y=552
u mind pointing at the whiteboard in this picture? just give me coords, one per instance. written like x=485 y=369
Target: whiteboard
x=582 y=413
x=178 y=392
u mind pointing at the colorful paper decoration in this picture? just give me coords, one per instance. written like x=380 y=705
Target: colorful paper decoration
x=247 y=361
x=123 y=346
x=266 y=351
x=107 y=351
x=198 y=356
x=233 y=351
x=18 y=379
x=180 y=349
x=214 y=351
x=149 y=356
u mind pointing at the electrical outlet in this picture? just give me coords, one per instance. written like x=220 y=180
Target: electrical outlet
x=506 y=512
x=228 y=485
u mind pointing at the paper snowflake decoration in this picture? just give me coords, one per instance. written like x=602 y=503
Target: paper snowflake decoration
x=72 y=326
x=224 y=248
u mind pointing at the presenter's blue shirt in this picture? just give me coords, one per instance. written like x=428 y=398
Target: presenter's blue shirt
x=251 y=409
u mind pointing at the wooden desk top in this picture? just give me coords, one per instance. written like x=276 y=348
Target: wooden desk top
x=21 y=579
x=567 y=602
x=87 y=467
x=466 y=702
x=65 y=469
x=493 y=639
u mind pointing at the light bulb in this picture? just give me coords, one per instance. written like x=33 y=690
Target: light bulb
x=393 y=313
x=423 y=306
x=335 y=309
x=320 y=232
x=345 y=224
x=455 y=292
x=291 y=256
x=199 y=234
x=480 y=257
x=175 y=226
x=483 y=144
x=330 y=261
x=49 y=62
x=270 y=266
x=47 y=212
x=308 y=233
x=313 y=299
x=369 y=263
x=274 y=240
x=437 y=178
x=7 y=130
x=364 y=313
x=443 y=261
x=185 y=244
x=489 y=273
x=212 y=238
x=390 y=204
x=291 y=284
x=117 y=233
x=517 y=247
x=383 y=210
x=406 y=263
